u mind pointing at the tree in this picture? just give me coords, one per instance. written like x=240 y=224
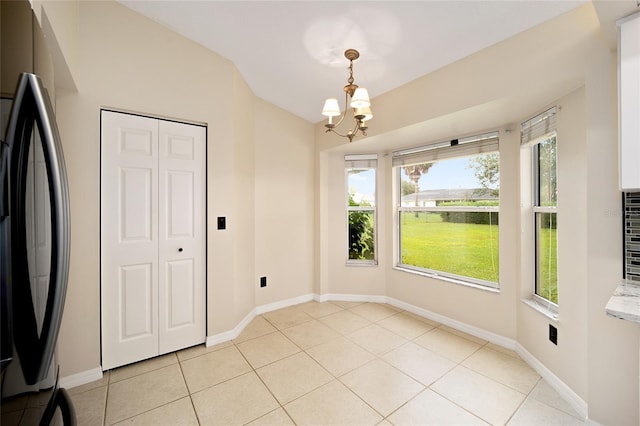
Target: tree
x=548 y=179
x=487 y=170
x=414 y=173
x=407 y=188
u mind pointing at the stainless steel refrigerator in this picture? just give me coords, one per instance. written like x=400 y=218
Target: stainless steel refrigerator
x=34 y=249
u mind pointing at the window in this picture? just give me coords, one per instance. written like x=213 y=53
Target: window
x=361 y=208
x=448 y=208
x=539 y=133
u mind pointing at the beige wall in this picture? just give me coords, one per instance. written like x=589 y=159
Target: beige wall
x=284 y=204
x=62 y=43
x=145 y=68
x=16 y=44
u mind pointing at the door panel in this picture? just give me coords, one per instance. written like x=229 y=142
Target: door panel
x=182 y=236
x=182 y=292
x=180 y=205
x=129 y=238
x=136 y=298
x=136 y=209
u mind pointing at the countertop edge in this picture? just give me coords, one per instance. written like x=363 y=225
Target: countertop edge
x=625 y=302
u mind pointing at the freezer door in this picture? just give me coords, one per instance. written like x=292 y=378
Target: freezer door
x=6 y=337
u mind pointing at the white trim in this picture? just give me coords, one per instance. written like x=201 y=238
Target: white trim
x=544 y=309
x=262 y=309
x=351 y=298
x=578 y=404
x=627 y=18
x=225 y=336
x=81 y=378
x=469 y=329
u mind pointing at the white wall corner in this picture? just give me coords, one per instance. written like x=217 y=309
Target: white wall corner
x=235 y=332
x=231 y=334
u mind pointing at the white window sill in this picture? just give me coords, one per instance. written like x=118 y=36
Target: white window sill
x=541 y=308
x=448 y=279
x=361 y=263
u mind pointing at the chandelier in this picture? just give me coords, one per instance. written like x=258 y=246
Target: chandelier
x=359 y=103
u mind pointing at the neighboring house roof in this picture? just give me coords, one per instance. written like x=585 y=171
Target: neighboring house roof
x=450 y=195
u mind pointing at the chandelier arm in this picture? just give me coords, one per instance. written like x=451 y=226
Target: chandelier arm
x=344 y=114
x=351 y=133
x=337 y=133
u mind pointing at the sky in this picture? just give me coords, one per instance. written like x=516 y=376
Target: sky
x=449 y=174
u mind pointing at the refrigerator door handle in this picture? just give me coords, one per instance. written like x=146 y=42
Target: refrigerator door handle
x=32 y=105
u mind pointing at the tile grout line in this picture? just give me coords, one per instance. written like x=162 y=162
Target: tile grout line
x=106 y=400
x=459 y=364
x=158 y=406
x=301 y=350
x=523 y=401
x=184 y=379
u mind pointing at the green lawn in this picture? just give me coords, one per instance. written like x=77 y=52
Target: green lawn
x=468 y=250
x=547 y=285
x=463 y=249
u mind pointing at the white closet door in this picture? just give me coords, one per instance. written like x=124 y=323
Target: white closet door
x=129 y=238
x=182 y=236
x=153 y=237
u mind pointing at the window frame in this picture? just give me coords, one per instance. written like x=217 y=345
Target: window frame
x=443 y=151
x=356 y=162
x=537 y=210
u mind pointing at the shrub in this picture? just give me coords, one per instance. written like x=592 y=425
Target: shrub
x=480 y=218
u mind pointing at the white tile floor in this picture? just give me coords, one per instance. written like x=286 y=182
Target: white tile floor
x=332 y=363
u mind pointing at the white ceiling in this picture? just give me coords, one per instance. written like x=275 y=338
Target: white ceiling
x=291 y=52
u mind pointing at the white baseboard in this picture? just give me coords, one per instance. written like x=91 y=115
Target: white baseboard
x=81 y=378
x=350 y=298
x=578 y=404
x=231 y=334
x=262 y=309
x=225 y=336
x=458 y=325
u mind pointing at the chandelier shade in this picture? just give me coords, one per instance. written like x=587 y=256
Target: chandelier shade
x=360 y=98
x=331 y=108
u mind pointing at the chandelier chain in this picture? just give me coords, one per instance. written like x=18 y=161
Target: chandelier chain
x=350 y=80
